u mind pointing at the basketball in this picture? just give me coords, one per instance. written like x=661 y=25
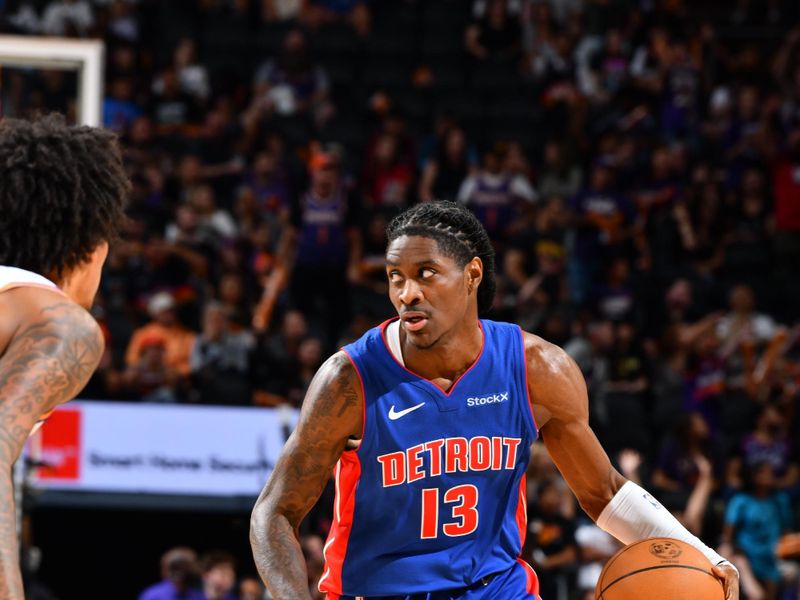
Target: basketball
x=658 y=569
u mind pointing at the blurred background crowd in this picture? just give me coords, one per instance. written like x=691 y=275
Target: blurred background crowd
x=636 y=163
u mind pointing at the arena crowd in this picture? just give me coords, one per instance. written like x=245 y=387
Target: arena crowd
x=636 y=163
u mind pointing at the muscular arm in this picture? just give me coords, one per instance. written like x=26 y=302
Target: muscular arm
x=331 y=416
x=51 y=356
x=560 y=404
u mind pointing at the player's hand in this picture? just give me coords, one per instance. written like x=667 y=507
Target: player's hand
x=730 y=580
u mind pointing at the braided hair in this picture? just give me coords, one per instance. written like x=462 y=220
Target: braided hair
x=63 y=193
x=458 y=234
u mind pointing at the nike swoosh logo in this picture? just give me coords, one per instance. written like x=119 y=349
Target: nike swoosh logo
x=394 y=415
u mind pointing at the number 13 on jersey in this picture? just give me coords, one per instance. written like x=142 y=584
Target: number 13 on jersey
x=464 y=509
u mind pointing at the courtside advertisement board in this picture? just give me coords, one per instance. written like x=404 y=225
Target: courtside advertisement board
x=159 y=449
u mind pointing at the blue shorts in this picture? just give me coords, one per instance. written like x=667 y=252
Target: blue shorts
x=517 y=583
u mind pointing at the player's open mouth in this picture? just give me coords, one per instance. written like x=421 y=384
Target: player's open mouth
x=414 y=321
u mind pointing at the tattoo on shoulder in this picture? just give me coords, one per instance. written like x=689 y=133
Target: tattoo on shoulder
x=339 y=393
x=48 y=360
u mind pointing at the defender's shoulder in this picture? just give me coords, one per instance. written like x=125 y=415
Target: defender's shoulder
x=35 y=308
x=51 y=313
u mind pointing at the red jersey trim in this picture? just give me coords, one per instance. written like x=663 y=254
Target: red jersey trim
x=347 y=473
x=522 y=511
x=532 y=580
x=527 y=380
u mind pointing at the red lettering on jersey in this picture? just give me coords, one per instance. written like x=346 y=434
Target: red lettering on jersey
x=414 y=462
x=429 y=528
x=480 y=453
x=511 y=457
x=393 y=467
x=435 y=449
x=497 y=453
x=456 y=455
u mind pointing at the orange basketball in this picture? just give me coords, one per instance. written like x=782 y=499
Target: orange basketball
x=658 y=569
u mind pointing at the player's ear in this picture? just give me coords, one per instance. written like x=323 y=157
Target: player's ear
x=474 y=273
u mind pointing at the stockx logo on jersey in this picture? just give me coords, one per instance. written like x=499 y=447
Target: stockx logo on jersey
x=490 y=399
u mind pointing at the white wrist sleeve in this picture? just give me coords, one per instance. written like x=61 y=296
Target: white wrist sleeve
x=634 y=515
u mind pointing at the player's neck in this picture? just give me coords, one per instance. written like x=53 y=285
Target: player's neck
x=454 y=353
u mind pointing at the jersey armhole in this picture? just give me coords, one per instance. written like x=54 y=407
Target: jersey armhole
x=363 y=402
x=527 y=381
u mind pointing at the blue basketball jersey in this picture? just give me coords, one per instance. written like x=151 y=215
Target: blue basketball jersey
x=434 y=496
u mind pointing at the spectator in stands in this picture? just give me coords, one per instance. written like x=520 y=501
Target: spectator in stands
x=218 y=145
x=218 y=572
x=281 y=10
x=220 y=361
x=209 y=216
x=535 y=261
x=538 y=27
x=72 y=18
x=275 y=353
x=768 y=443
x=179 y=571
x=604 y=223
x=550 y=543
x=119 y=107
x=746 y=245
x=616 y=297
x=123 y=22
x=496 y=196
x=148 y=377
x=292 y=84
x=270 y=275
x=246 y=212
x=590 y=348
x=355 y=13
x=754 y=522
x=386 y=179
x=309 y=358
x=676 y=471
x=323 y=245
x=595 y=547
x=232 y=293
x=559 y=177
x=786 y=210
x=743 y=322
x=269 y=185
x=251 y=588
x=171 y=107
x=496 y=38
x=444 y=172
x=177 y=340
x=192 y=76
x=608 y=69
x=681 y=90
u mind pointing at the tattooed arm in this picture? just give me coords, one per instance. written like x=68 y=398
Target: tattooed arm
x=331 y=416
x=50 y=357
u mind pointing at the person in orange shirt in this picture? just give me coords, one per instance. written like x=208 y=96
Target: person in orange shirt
x=178 y=341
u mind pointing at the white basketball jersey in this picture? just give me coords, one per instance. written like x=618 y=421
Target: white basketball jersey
x=12 y=277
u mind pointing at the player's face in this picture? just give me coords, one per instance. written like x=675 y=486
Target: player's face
x=430 y=291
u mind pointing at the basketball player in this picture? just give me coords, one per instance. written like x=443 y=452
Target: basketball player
x=428 y=420
x=61 y=200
